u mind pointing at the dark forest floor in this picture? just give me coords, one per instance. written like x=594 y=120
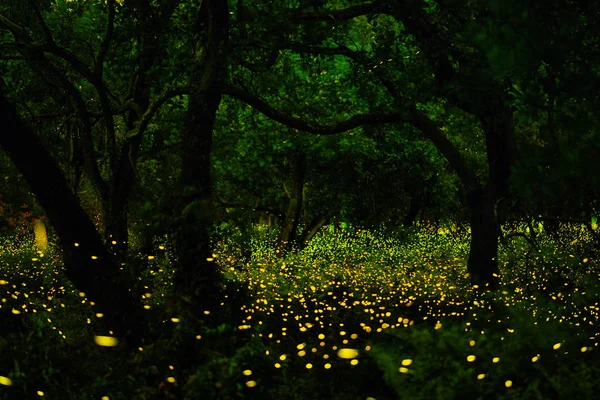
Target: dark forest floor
x=356 y=315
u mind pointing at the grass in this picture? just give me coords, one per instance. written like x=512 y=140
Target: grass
x=358 y=314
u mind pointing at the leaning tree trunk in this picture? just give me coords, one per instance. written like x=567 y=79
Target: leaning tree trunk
x=196 y=273
x=287 y=234
x=87 y=262
x=310 y=231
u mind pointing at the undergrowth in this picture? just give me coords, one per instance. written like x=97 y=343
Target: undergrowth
x=357 y=314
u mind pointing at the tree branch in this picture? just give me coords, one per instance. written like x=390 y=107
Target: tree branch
x=155 y=106
x=302 y=125
x=107 y=38
x=431 y=131
x=42 y=22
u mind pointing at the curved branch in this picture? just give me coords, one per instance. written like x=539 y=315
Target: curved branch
x=17 y=30
x=44 y=26
x=431 y=131
x=302 y=125
x=155 y=106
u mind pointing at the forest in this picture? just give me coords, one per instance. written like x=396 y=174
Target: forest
x=299 y=199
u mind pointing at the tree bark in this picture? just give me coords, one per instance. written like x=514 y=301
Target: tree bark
x=310 y=231
x=152 y=21
x=287 y=234
x=413 y=211
x=87 y=262
x=483 y=256
x=497 y=123
x=196 y=274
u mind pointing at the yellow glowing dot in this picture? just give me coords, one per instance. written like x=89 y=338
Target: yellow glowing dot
x=3 y=282
x=584 y=349
x=174 y=319
x=282 y=357
x=327 y=366
x=407 y=362
x=198 y=337
x=99 y=315
x=94 y=257
x=471 y=358
x=146 y=306
x=557 y=346
x=495 y=359
x=76 y=244
x=114 y=242
x=472 y=343
x=277 y=365
x=438 y=325
x=106 y=341
x=508 y=383
x=534 y=359
x=209 y=259
x=161 y=247
x=347 y=353
x=150 y=257
x=403 y=370
x=170 y=379
x=321 y=336
x=301 y=346
x=354 y=362
x=247 y=372
x=81 y=294
x=309 y=366
x=301 y=353
x=40 y=393
x=480 y=376
x=5 y=381
x=16 y=312
x=105 y=398
x=251 y=384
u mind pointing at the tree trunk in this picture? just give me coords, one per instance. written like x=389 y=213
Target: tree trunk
x=483 y=255
x=310 y=231
x=413 y=211
x=87 y=262
x=497 y=123
x=152 y=20
x=287 y=234
x=196 y=274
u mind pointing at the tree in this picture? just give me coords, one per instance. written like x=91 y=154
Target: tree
x=88 y=263
x=472 y=88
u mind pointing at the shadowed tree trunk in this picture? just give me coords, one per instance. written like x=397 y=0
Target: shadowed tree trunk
x=483 y=255
x=310 y=231
x=87 y=262
x=196 y=274
x=287 y=234
x=152 y=20
x=497 y=123
x=413 y=210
